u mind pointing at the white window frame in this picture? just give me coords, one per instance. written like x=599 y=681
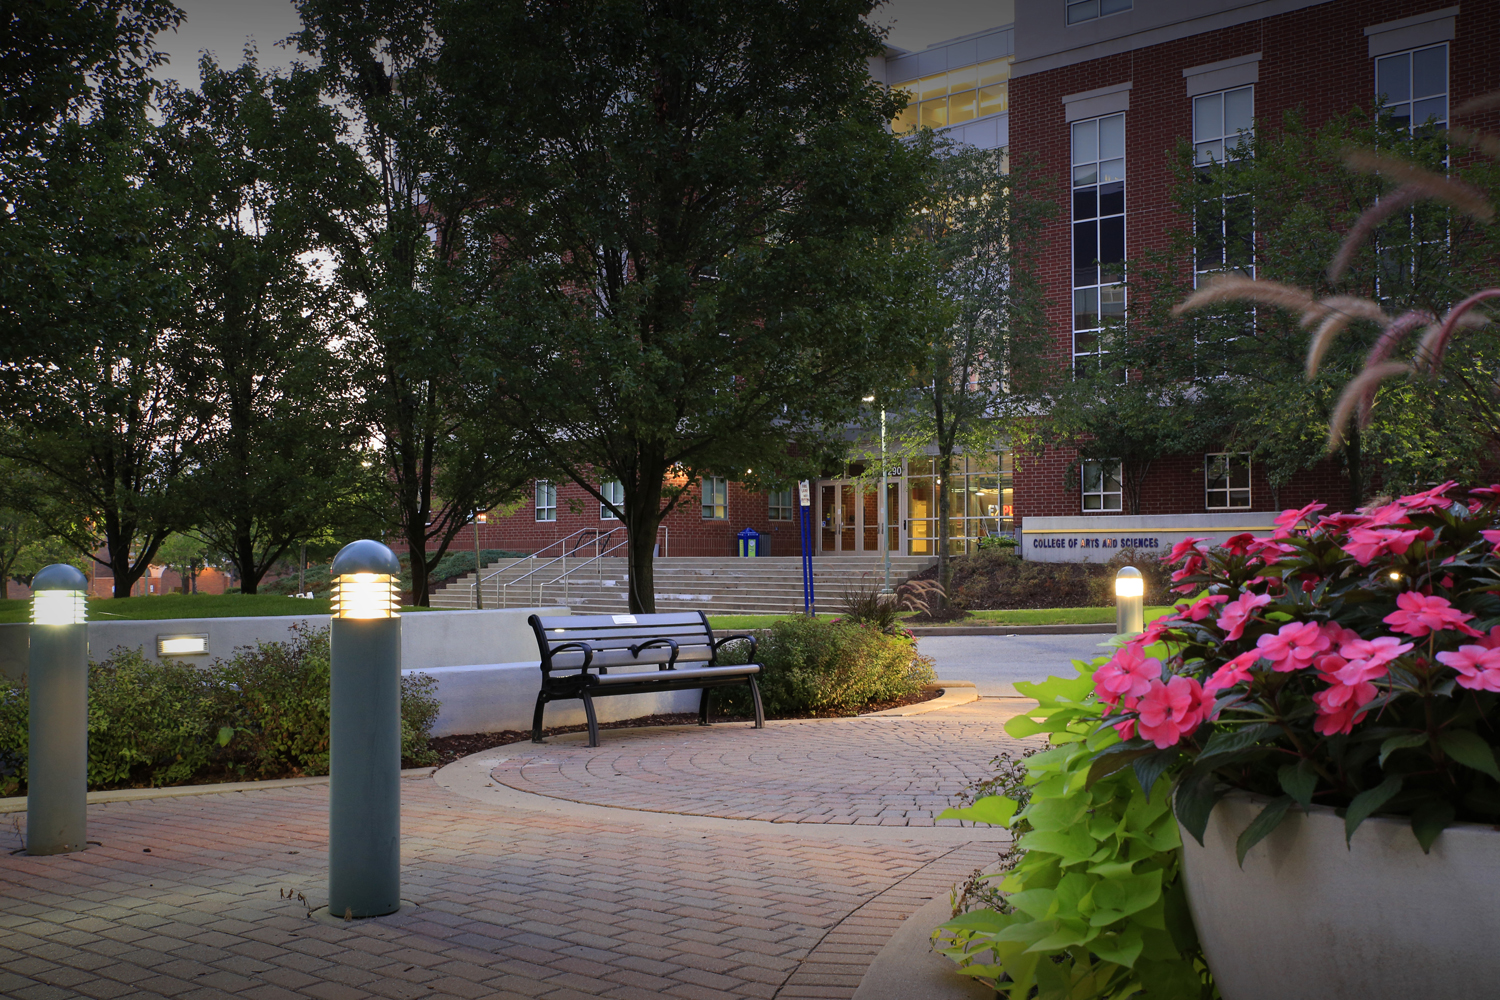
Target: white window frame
x=1096 y=291
x=1411 y=98
x=1222 y=462
x=546 y=500
x=614 y=493
x=782 y=505
x=1103 y=494
x=715 y=490
x=1081 y=11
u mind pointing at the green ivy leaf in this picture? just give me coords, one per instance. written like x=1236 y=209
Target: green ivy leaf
x=1429 y=819
x=996 y=810
x=1298 y=780
x=1122 y=948
x=1269 y=819
x=1366 y=802
x=226 y=734
x=1400 y=742
x=1469 y=748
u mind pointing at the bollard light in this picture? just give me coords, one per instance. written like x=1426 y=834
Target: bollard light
x=364 y=765
x=58 y=682
x=1130 y=601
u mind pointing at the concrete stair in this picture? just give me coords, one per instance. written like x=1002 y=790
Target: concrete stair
x=713 y=584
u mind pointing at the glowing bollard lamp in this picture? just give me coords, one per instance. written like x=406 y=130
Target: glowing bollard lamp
x=364 y=809
x=58 y=679
x=1130 y=601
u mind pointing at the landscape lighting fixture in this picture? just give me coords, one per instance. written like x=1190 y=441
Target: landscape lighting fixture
x=181 y=645
x=59 y=607
x=365 y=595
x=1130 y=611
x=57 y=702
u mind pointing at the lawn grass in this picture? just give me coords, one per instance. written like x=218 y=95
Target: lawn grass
x=738 y=623
x=185 y=606
x=1027 y=616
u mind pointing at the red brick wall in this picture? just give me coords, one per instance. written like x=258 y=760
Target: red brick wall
x=1317 y=59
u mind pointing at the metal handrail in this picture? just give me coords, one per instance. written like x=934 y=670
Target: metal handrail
x=481 y=580
x=596 y=560
x=536 y=590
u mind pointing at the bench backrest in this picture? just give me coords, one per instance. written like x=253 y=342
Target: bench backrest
x=611 y=637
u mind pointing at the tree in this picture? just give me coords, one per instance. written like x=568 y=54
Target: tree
x=680 y=229
x=977 y=231
x=430 y=409
x=258 y=163
x=187 y=554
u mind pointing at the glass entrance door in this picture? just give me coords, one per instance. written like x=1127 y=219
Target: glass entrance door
x=849 y=518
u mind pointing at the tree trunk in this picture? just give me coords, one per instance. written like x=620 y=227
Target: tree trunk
x=641 y=528
x=945 y=567
x=244 y=547
x=416 y=550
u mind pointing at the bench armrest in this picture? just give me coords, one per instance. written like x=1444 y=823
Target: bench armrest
x=588 y=653
x=732 y=638
x=671 y=663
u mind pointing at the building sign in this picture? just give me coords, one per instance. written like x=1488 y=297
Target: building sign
x=1098 y=538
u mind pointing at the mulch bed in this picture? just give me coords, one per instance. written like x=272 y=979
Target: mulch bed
x=452 y=748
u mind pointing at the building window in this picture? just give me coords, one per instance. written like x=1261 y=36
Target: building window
x=613 y=493
x=1098 y=236
x=1226 y=480
x=1223 y=218
x=715 y=498
x=1414 y=87
x=1088 y=10
x=955 y=97
x=981 y=502
x=546 y=501
x=1101 y=485
x=782 y=505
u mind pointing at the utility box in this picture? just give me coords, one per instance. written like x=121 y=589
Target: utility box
x=749 y=542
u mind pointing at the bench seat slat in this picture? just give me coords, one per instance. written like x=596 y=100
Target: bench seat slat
x=680 y=674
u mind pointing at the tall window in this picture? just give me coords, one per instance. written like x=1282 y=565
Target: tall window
x=1088 y=10
x=1414 y=86
x=1226 y=480
x=546 y=501
x=1098 y=235
x=613 y=493
x=1224 y=220
x=954 y=97
x=1101 y=484
x=782 y=505
x=715 y=498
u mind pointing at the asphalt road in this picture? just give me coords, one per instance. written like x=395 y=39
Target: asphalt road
x=996 y=662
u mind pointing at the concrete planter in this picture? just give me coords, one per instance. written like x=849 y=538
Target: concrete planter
x=1310 y=918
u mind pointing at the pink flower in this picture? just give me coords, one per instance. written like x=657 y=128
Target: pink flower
x=1391 y=513
x=1238 y=545
x=1365 y=544
x=1336 y=524
x=1293 y=646
x=1338 y=634
x=1339 y=707
x=1128 y=674
x=1170 y=710
x=1201 y=608
x=1238 y=613
x=1186 y=547
x=1126 y=729
x=1432 y=499
x=1492 y=640
x=1269 y=547
x=1289 y=519
x=1492 y=491
x=1492 y=536
x=1420 y=614
x=1478 y=666
x=1236 y=671
x=1369 y=659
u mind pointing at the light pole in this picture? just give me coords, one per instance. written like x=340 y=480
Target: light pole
x=57 y=778
x=1130 y=600
x=479 y=518
x=885 y=493
x=364 y=766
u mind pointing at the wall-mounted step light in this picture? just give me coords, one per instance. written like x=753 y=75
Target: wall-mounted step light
x=181 y=645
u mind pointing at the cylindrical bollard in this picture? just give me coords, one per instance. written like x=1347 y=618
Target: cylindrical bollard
x=57 y=777
x=364 y=810
x=1130 y=601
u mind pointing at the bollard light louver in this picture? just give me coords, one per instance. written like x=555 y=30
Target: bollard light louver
x=58 y=685
x=1130 y=601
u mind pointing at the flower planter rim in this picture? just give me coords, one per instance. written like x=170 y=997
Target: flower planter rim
x=1403 y=821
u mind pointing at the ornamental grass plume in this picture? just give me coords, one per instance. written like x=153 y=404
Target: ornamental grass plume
x=1354 y=665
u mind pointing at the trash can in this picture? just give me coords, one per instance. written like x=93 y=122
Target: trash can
x=749 y=542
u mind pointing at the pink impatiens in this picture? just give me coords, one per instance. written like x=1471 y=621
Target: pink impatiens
x=1365 y=544
x=1294 y=646
x=1478 y=666
x=1237 y=614
x=1419 y=614
x=1169 y=711
x=1127 y=675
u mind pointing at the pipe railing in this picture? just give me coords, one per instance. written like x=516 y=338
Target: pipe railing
x=597 y=539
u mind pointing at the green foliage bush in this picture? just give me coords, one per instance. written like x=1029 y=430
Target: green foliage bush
x=996 y=577
x=811 y=665
x=261 y=714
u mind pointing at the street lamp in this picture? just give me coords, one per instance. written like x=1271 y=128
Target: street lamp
x=885 y=494
x=58 y=678
x=1130 y=600
x=364 y=765
x=479 y=518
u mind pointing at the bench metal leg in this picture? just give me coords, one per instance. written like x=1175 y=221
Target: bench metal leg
x=536 y=717
x=703 y=707
x=760 y=715
x=588 y=710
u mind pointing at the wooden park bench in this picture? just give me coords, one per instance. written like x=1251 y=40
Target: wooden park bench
x=590 y=656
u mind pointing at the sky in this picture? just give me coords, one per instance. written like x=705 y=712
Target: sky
x=223 y=26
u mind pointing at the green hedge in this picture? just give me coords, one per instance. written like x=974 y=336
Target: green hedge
x=261 y=714
x=810 y=665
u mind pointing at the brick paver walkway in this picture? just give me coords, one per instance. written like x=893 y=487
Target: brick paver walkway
x=208 y=896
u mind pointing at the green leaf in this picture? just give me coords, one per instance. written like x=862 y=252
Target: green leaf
x=1122 y=948
x=1149 y=769
x=1469 y=748
x=1269 y=819
x=996 y=810
x=1366 y=802
x=1298 y=780
x=1224 y=745
x=1429 y=819
x=1111 y=760
x=1193 y=803
x=226 y=733
x=1400 y=742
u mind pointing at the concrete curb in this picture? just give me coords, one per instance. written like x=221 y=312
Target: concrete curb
x=907 y=966
x=955 y=693
x=17 y=804
x=934 y=630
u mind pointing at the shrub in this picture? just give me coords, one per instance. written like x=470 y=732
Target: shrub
x=998 y=542
x=872 y=607
x=275 y=706
x=996 y=577
x=814 y=666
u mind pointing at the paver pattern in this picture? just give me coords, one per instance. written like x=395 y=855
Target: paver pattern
x=886 y=772
x=208 y=897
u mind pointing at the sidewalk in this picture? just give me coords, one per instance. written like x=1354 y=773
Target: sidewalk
x=556 y=880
